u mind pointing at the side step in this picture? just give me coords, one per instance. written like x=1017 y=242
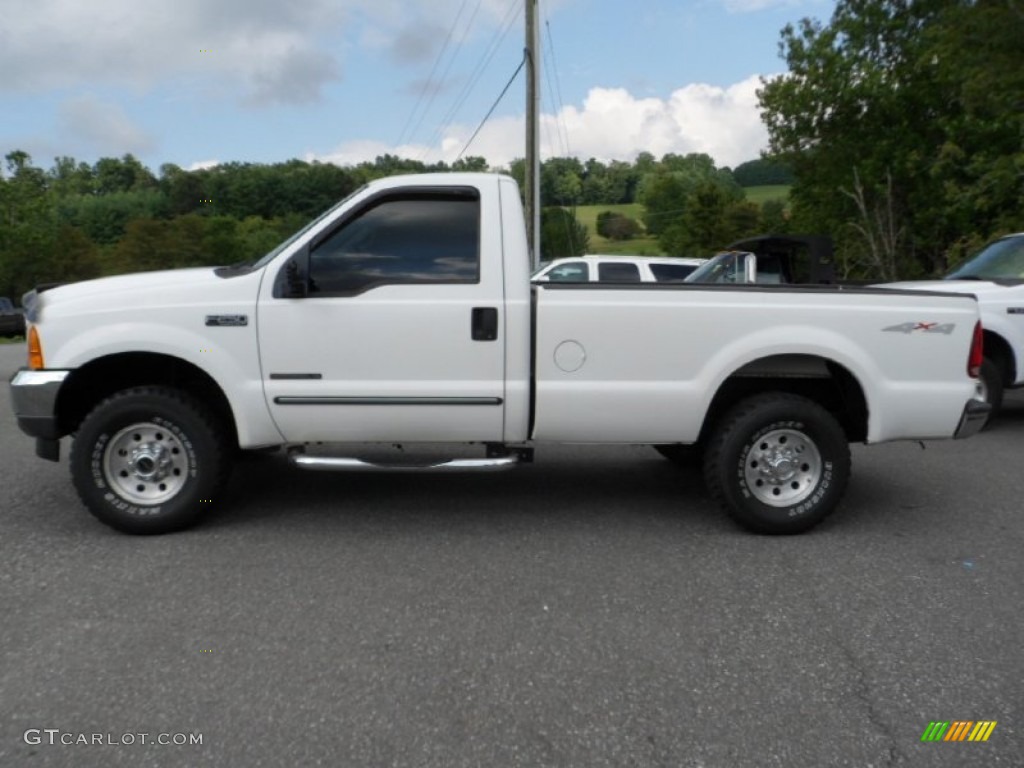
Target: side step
x=493 y=463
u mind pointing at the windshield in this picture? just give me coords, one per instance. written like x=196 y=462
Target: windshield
x=1001 y=260
x=264 y=260
x=726 y=267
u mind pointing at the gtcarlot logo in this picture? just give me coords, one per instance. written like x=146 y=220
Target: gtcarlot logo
x=55 y=737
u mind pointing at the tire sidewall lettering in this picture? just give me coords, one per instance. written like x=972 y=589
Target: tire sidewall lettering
x=110 y=494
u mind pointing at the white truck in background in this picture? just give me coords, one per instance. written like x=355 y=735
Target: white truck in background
x=405 y=314
x=995 y=275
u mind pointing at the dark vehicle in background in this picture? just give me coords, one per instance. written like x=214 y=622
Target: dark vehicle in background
x=771 y=260
x=12 y=319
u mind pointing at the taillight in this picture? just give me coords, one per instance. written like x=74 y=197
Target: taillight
x=977 y=352
x=35 y=350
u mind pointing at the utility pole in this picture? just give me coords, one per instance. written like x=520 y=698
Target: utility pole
x=532 y=190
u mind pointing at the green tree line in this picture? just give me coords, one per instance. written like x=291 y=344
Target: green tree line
x=75 y=221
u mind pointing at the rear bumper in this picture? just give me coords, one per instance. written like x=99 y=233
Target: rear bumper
x=34 y=398
x=973 y=419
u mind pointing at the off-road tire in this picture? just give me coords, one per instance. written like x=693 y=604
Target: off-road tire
x=149 y=460
x=992 y=380
x=777 y=463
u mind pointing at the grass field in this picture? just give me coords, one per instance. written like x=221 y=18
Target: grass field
x=648 y=246
x=15 y=340
x=640 y=246
x=761 y=195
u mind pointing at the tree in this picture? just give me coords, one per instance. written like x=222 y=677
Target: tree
x=126 y=174
x=28 y=225
x=561 y=181
x=561 y=235
x=617 y=226
x=914 y=103
x=762 y=172
x=773 y=218
x=664 y=198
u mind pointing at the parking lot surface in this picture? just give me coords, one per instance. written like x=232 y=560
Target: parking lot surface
x=593 y=609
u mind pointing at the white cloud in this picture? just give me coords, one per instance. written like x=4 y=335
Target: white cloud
x=612 y=124
x=258 y=51
x=101 y=128
x=268 y=47
x=202 y=165
x=753 y=6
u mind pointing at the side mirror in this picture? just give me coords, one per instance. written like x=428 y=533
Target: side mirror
x=296 y=286
x=750 y=269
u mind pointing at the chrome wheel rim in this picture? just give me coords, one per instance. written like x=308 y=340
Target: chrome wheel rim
x=782 y=468
x=145 y=463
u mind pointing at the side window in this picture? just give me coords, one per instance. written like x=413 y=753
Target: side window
x=671 y=273
x=769 y=269
x=407 y=238
x=618 y=272
x=573 y=272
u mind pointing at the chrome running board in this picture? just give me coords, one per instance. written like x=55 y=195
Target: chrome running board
x=331 y=464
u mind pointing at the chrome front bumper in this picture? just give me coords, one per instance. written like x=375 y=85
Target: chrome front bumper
x=34 y=397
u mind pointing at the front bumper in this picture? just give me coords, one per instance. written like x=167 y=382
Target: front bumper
x=973 y=419
x=34 y=397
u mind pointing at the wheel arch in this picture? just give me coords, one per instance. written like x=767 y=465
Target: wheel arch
x=999 y=350
x=100 y=378
x=825 y=381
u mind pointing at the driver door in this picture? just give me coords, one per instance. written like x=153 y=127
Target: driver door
x=400 y=334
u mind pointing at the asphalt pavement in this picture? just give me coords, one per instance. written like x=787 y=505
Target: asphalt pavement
x=593 y=609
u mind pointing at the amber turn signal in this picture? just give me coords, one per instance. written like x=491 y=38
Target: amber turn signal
x=35 y=350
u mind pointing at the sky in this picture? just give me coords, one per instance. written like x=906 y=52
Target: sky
x=200 y=82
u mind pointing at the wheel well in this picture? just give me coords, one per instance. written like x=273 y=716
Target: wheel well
x=101 y=378
x=824 y=381
x=999 y=351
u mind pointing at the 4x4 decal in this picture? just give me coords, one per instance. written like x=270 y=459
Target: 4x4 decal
x=908 y=328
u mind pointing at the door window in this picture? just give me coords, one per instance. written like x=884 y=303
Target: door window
x=401 y=239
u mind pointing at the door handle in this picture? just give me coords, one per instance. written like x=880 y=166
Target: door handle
x=485 y=324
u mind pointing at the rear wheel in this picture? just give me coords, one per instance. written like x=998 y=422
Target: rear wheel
x=778 y=463
x=148 y=460
x=991 y=380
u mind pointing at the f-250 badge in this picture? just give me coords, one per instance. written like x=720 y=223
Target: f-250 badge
x=909 y=328
x=227 y=321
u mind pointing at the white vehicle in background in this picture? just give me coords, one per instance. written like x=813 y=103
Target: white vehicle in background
x=995 y=275
x=617 y=269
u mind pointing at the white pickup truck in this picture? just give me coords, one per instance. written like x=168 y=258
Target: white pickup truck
x=995 y=275
x=405 y=314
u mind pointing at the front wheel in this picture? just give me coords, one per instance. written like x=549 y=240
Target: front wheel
x=778 y=463
x=148 y=460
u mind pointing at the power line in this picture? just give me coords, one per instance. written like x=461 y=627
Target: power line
x=430 y=78
x=561 y=131
x=493 y=107
x=492 y=49
x=448 y=67
x=560 y=114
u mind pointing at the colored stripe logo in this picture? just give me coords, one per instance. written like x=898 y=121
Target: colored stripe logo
x=959 y=730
